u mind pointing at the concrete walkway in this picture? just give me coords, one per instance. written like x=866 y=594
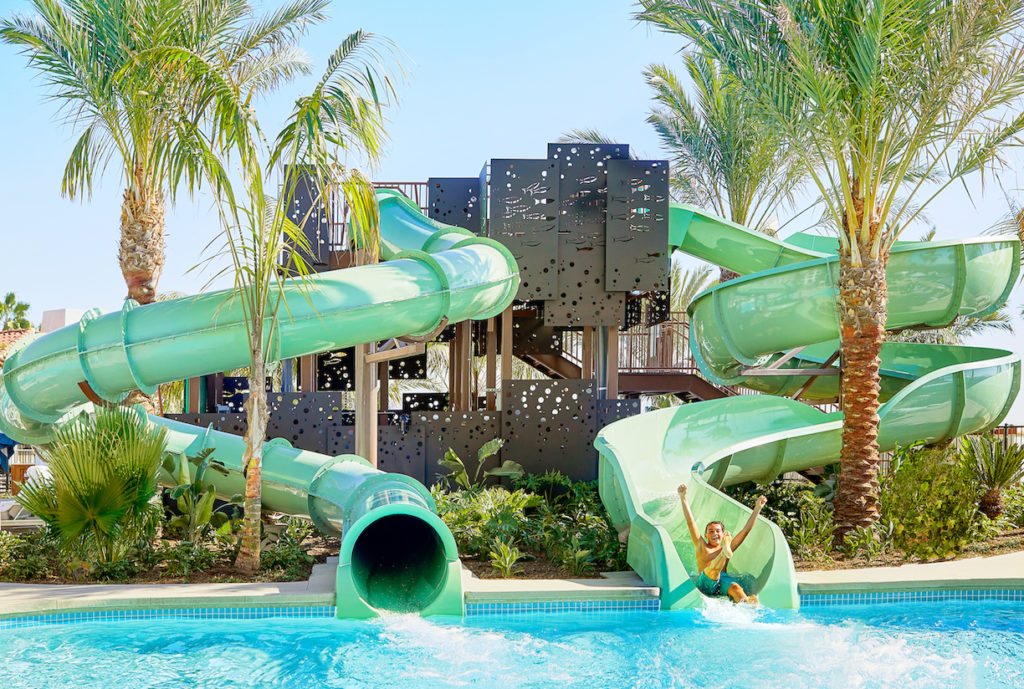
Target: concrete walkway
x=19 y=599
x=996 y=572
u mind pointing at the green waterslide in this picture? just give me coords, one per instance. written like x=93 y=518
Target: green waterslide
x=741 y=333
x=396 y=554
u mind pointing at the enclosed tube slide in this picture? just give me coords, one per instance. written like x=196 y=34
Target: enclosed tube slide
x=757 y=331
x=396 y=554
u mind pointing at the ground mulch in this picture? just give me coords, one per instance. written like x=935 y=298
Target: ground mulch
x=539 y=567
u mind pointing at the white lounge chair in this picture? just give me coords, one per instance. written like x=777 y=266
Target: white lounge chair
x=16 y=519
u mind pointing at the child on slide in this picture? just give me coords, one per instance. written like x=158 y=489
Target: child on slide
x=715 y=550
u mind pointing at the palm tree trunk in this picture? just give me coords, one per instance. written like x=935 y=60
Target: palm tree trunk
x=248 y=560
x=142 y=238
x=724 y=275
x=862 y=309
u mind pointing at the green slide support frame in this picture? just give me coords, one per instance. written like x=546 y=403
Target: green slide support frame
x=786 y=300
x=396 y=554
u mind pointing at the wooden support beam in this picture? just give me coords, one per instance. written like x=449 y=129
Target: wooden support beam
x=587 y=355
x=192 y=386
x=613 y=363
x=464 y=344
x=492 y=365
x=453 y=376
x=383 y=383
x=787 y=356
x=392 y=353
x=366 y=405
x=307 y=373
x=506 y=347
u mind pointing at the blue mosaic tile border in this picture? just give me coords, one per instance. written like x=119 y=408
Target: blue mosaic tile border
x=305 y=611
x=556 y=607
x=810 y=600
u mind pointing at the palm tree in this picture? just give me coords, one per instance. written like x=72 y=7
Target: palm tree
x=878 y=100
x=725 y=156
x=13 y=313
x=342 y=114
x=997 y=466
x=98 y=58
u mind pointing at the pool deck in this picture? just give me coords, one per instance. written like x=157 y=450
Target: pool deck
x=997 y=572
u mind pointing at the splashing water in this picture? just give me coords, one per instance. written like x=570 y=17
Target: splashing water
x=933 y=645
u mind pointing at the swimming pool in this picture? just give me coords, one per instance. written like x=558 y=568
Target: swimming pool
x=951 y=643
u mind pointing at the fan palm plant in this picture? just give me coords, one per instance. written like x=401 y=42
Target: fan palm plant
x=97 y=56
x=725 y=155
x=104 y=471
x=996 y=465
x=885 y=104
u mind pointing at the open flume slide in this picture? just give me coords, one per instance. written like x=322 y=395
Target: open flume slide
x=396 y=554
x=756 y=331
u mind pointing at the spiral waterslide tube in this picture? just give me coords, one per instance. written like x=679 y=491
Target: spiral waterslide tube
x=785 y=301
x=396 y=554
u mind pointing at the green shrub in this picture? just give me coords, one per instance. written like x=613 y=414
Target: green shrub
x=288 y=557
x=185 y=559
x=24 y=557
x=931 y=499
x=811 y=536
x=1013 y=505
x=786 y=501
x=122 y=570
x=546 y=514
x=194 y=497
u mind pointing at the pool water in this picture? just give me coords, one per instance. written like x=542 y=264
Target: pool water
x=974 y=644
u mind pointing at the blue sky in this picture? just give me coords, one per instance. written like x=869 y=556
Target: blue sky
x=485 y=80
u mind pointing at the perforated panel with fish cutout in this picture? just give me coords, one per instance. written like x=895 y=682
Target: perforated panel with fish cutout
x=336 y=371
x=455 y=201
x=463 y=432
x=551 y=425
x=658 y=308
x=636 y=246
x=523 y=207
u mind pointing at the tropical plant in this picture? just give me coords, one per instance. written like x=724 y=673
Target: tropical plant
x=930 y=496
x=725 y=155
x=504 y=558
x=104 y=477
x=458 y=474
x=13 y=313
x=194 y=497
x=885 y=104
x=103 y=60
x=343 y=114
x=997 y=466
x=687 y=284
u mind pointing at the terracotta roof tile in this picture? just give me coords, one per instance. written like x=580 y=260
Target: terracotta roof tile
x=8 y=338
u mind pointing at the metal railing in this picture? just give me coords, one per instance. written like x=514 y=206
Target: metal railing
x=337 y=209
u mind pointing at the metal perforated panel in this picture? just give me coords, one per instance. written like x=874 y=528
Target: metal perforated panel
x=463 y=432
x=636 y=247
x=336 y=371
x=550 y=425
x=303 y=418
x=609 y=411
x=424 y=401
x=455 y=201
x=657 y=309
x=402 y=450
x=409 y=368
x=523 y=206
x=582 y=297
x=307 y=210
